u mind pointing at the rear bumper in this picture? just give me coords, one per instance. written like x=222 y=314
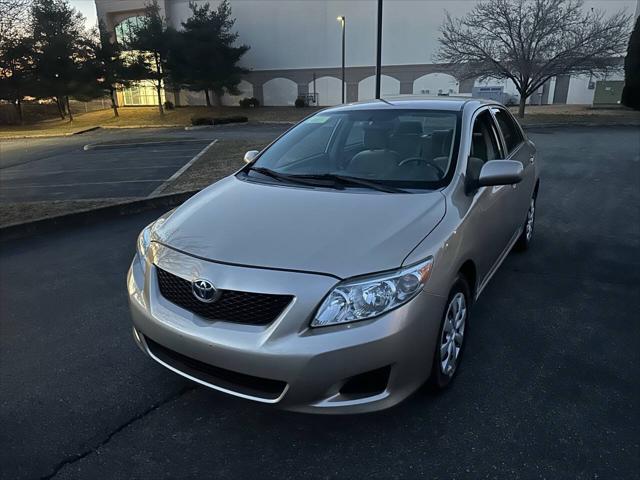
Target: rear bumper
x=285 y=363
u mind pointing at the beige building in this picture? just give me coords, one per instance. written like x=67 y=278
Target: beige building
x=296 y=50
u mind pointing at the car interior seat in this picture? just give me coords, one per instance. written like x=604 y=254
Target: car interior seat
x=440 y=148
x=407 y=140
x=478 y=155
x=376 y=157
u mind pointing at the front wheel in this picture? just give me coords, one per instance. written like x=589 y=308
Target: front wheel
x=451 y=335
x=526 y=237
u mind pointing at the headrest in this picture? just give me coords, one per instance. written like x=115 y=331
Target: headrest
x=441 y=141
x=375 y=138
x=406 y=128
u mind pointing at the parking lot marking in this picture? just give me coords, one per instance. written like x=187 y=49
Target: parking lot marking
x=107 y=146
x=17 y=176
x=21 y=187
x=127 y=153
x=161 y=188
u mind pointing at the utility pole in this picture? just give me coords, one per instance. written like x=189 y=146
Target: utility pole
x=379 y=50
x=343 y=21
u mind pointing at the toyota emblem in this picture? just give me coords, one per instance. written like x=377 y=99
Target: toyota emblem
x=204 y=290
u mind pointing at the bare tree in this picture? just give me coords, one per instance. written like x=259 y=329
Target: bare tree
x=13 y=18
x=531 y=41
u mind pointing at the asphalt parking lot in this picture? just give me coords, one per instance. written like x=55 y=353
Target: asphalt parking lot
x=548 y=389
x=116 y=163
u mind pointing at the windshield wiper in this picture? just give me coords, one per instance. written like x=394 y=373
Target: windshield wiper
x=331 y=180
x=357 y=181
x=284 y=177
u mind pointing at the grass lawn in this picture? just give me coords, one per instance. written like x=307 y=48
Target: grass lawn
x=149 y=116
x=541 y=114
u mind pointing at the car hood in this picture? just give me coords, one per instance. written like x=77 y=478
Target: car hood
x=338 y=232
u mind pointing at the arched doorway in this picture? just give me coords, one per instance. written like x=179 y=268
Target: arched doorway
x=246 y=91
x=388 y=86
x=280 y=91
x=328 y=90
x=436 y=84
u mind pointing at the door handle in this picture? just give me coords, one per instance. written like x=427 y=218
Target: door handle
x=532 y=159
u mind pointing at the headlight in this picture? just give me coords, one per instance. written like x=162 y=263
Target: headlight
x=364 y=298
x=144 y=240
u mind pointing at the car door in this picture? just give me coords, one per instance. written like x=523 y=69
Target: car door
x=485 y=220
x=516 y=148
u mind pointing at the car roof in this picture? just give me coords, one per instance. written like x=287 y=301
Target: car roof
x=416 y=102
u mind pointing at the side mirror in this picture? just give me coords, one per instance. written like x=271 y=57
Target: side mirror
x=250 y=156
x=500 y=172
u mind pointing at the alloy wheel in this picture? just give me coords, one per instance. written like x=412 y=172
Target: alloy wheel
x=453 y=334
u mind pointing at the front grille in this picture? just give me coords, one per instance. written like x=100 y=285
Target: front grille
x=232 y=305
x=265 y=388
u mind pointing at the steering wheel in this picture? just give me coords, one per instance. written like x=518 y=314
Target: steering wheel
x=422 y=160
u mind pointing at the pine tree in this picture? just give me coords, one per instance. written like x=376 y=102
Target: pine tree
x=16 y=71
x=206 y=58
x=60 y=51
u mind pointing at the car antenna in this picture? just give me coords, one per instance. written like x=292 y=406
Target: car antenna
x=383 y=100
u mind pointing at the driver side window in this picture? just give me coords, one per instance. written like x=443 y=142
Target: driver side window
x=484 y=144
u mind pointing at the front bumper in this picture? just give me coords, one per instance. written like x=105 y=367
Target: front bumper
x=311 y=366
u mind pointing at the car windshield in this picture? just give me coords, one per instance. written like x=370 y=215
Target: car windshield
x=408 y=149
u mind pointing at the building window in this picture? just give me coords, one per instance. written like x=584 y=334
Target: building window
x=125 y=30
x=141 y=93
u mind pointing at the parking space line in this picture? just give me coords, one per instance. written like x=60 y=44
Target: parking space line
x=13 y=176
x=21 y=187
x=162 y=187
x=107 y=146
x=125 y=152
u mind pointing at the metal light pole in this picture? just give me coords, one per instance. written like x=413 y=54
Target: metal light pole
x=343 y=21
x=379 y=50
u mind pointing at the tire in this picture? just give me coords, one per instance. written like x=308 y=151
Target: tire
x=526 y=237
x=442 y=371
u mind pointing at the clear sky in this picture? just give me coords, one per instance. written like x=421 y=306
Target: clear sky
x=88 y=9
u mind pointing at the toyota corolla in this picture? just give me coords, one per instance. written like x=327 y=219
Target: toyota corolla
x=336 y=271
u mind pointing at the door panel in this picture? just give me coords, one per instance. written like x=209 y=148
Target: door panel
x=516 y=148
x=488 y=219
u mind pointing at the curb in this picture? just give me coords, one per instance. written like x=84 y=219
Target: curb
x=122 y=127
x=86 y=217
x=276 y=122
x=161 y=143
x=50 y=135
x=210 y=127
x=90 y=129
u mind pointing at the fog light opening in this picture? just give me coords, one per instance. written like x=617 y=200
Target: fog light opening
x=367 y=384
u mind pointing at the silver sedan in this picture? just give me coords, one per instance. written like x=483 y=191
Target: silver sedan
x=337 y=270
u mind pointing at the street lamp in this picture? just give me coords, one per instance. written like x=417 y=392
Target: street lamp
x=379 y=51
x=343 y=21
